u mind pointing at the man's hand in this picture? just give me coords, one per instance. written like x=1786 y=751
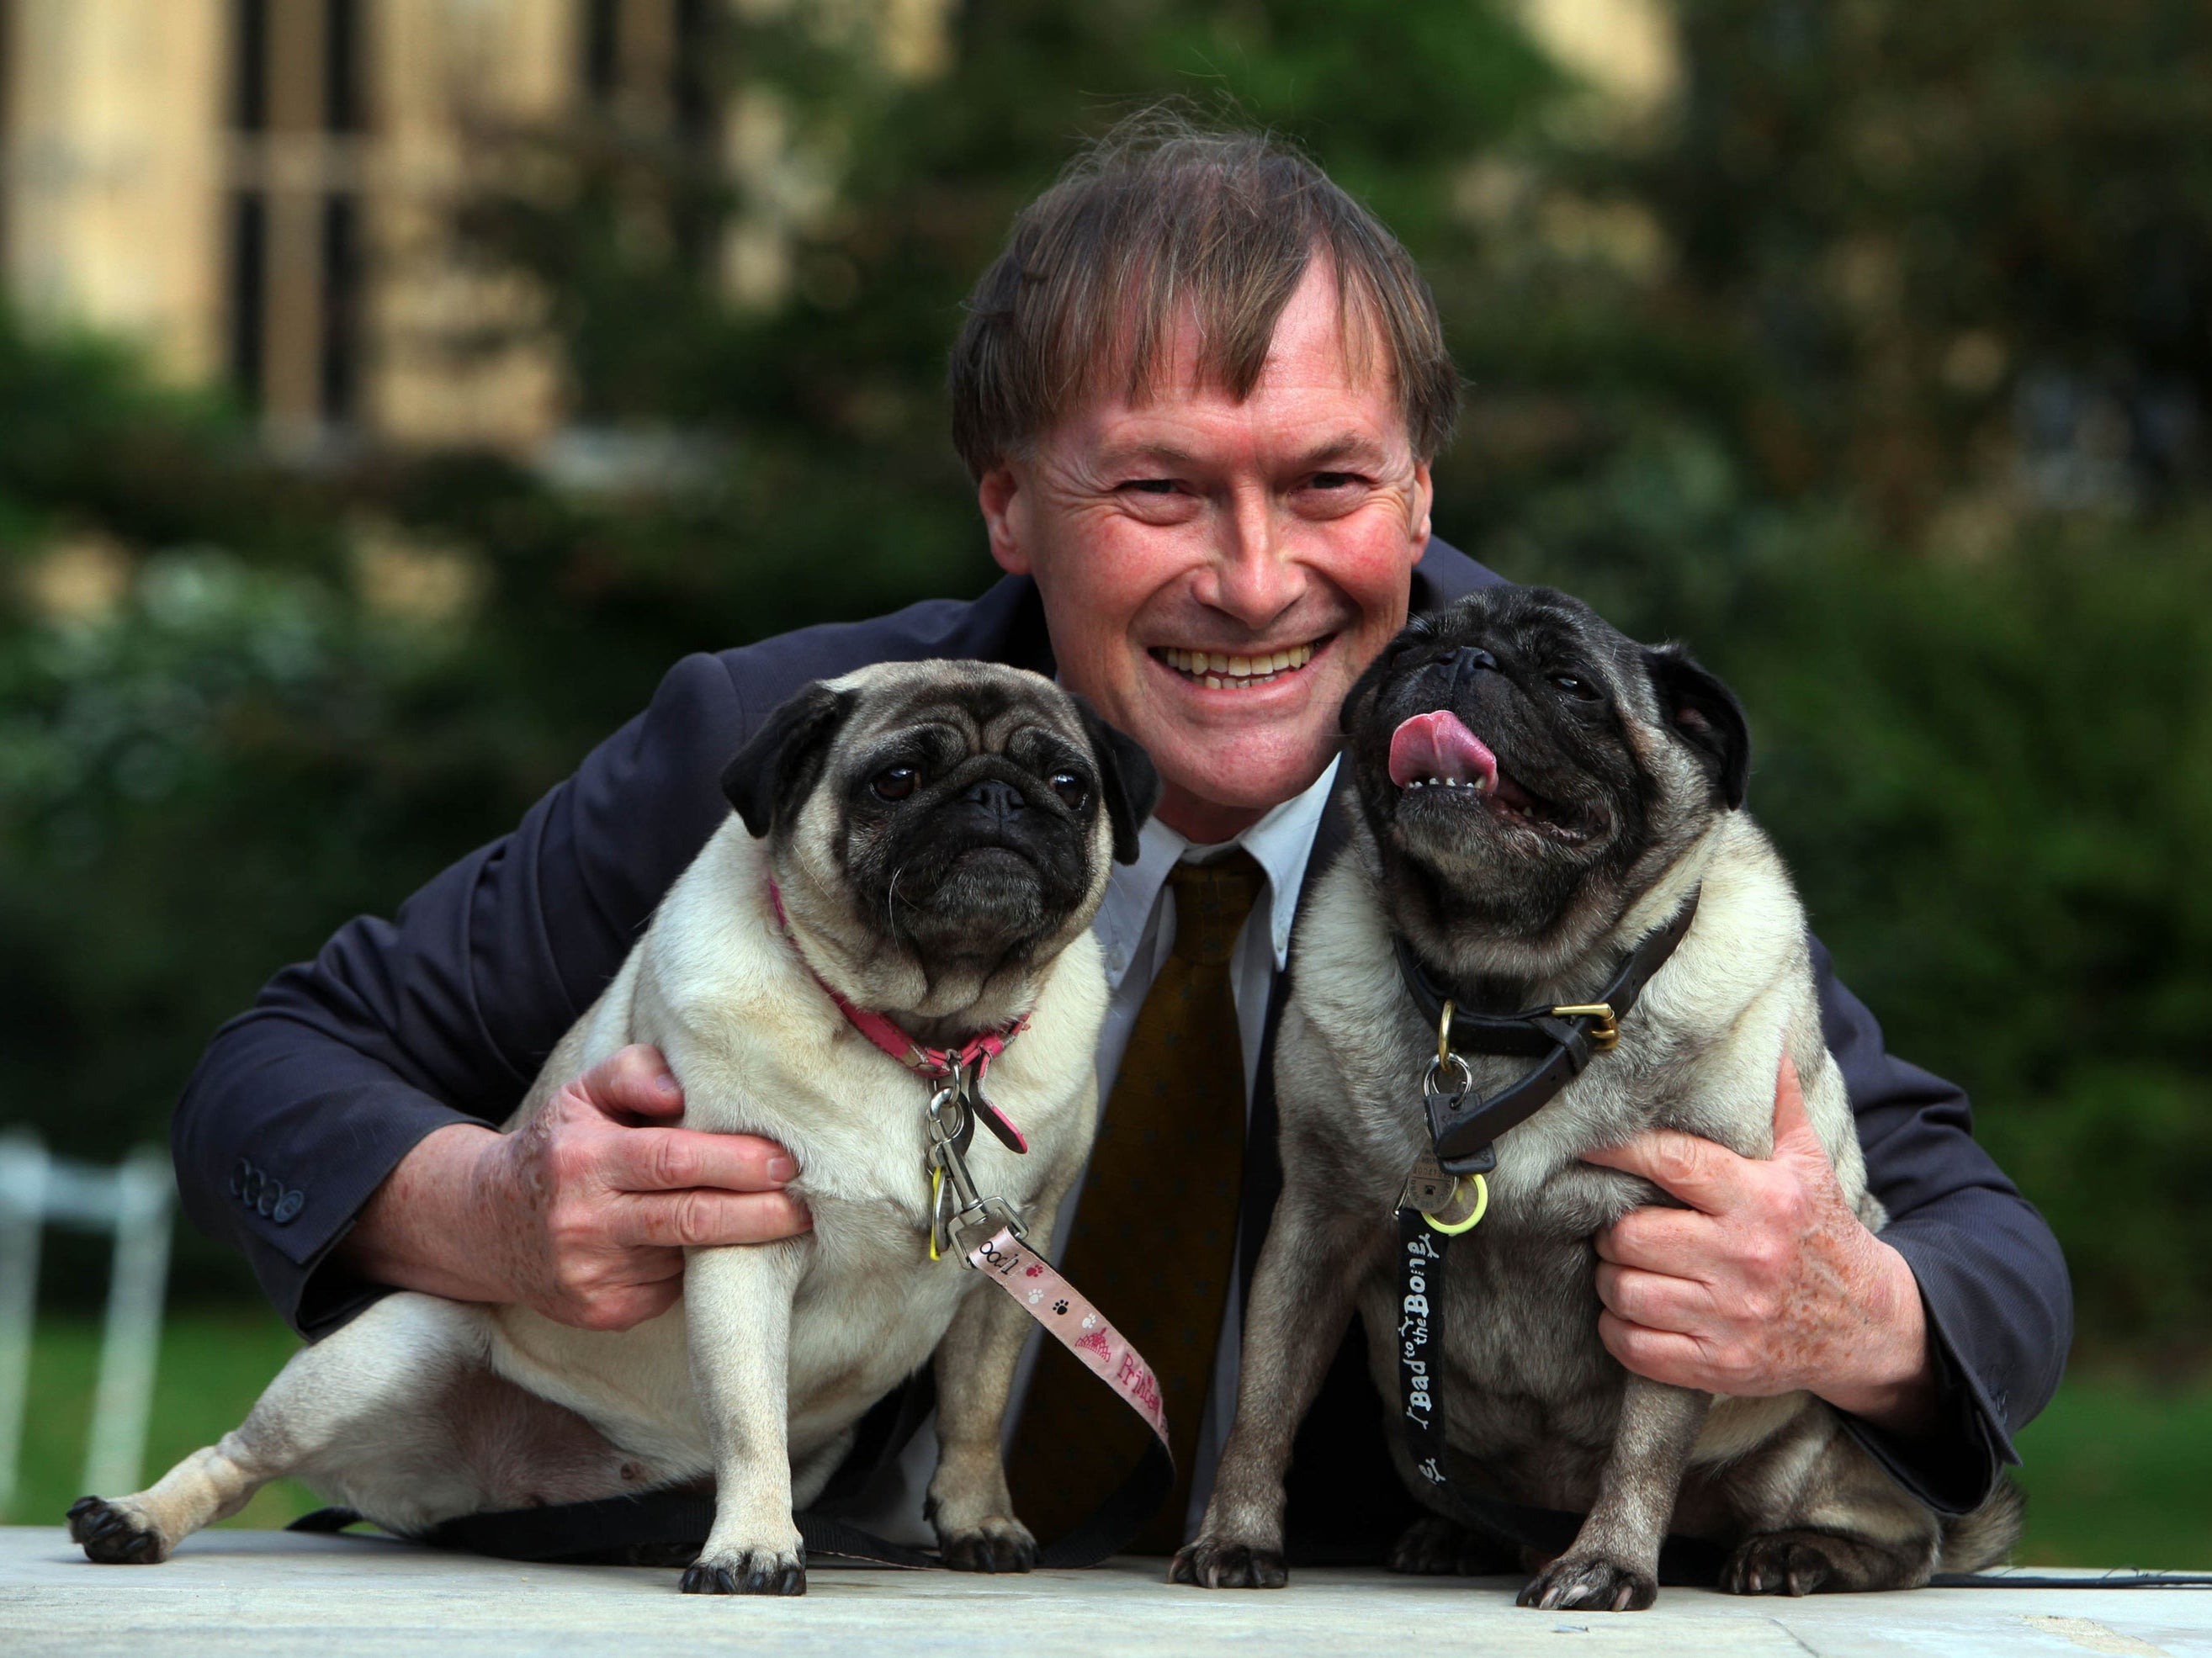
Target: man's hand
x=1767 y=1282
x=584 y=1213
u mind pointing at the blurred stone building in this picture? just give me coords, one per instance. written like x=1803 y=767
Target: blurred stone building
x=259 y=191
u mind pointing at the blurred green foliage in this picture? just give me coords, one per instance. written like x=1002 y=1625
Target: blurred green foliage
x=1874 y=365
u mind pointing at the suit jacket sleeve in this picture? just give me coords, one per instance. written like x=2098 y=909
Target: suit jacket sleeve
x=2000 y=1307
x=303 y=1104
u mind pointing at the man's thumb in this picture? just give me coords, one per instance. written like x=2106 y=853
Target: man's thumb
x=1794 y=1133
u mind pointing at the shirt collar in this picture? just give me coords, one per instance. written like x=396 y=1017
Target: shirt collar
x=1281 y=843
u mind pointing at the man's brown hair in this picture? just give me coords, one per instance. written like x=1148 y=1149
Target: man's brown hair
x=1164 y=218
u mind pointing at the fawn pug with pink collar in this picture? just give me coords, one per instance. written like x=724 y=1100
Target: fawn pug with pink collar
x=928 y=841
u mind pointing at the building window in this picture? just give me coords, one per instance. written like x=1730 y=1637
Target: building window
x=298 y=116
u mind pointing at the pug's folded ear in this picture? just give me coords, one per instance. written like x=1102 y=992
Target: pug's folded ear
x=1704 y=713
x=1129 y=783
x=773 y=774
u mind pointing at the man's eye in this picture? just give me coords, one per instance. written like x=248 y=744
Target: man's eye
x=896 y=782
x=1150 y=486
x=1333 y=480
x=1072 y=789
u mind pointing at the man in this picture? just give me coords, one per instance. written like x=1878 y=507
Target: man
x=1200 y=392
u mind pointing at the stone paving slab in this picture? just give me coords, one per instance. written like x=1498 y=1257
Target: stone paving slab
x=272 y=1592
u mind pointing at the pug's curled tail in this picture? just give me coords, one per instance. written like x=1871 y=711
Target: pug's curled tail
x=1985 y=1537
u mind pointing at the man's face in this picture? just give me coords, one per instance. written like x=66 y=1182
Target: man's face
x=1216 y=573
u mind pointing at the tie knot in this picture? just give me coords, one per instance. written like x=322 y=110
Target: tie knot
x=1212 y=902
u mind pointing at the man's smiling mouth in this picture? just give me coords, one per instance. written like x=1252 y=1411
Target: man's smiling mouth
x=1219 y=672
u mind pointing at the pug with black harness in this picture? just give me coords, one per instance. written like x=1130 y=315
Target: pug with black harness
x=887 y=944
x=1554 y=928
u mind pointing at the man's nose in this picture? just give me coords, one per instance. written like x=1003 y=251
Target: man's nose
x=1253 y=578
x=999 y=801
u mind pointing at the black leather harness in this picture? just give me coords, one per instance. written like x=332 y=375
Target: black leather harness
x=1462 y=1124
x=1463 y=1129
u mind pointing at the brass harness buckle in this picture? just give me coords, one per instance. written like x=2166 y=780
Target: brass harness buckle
x=1607 y=1036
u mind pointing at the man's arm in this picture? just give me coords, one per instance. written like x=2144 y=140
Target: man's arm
x=1939 y=1337
x=404 y=1041
x=378 y=1069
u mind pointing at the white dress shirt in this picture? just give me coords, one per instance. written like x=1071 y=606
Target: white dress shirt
x=1135 y=928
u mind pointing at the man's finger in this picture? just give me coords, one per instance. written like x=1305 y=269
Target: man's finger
x=708 y=1219
x=1657 y=1240
x=680 y=1159
x=1658 y=1301
x=634 y=1082
x=1703 y=1175
x=1662 y=1355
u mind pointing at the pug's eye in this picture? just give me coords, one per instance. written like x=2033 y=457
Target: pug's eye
x=1072 y=789
x=897 y=782
x=1574 y=687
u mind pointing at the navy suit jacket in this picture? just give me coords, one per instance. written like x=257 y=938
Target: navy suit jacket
x=303 y=1104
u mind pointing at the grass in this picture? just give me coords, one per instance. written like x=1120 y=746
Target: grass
x=213 y=1367
x=2115 y=1470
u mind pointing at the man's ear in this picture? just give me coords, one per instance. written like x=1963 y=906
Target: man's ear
x=774 y=773
x=1129 y=783
x=1704 y=713
x=997 y=492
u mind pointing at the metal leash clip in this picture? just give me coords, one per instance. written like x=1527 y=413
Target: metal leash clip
x=956 y=1208
x=1431 y=1084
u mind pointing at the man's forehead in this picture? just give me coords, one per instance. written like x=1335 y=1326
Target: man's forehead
x=1325 y=392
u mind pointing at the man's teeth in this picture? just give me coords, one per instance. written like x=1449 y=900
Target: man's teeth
x=1218 y=671
x=1475 y=783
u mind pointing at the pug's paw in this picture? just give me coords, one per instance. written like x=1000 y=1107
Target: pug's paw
x=1591 y=1583
x=1809 y=1562
x=747 y=1572
x=1437 y=1547
x=999 y=1544
x=1210 y=1564
x=115 y=1534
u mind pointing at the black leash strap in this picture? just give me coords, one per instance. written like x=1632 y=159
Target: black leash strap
x=1462 y=1127
x=2123 y=1578
x=1454 y=1488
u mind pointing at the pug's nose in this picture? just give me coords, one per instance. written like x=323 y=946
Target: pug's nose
x=1467 y=661
x=1000 y=800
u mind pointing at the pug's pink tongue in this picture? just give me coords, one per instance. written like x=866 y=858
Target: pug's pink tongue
x=1437 y=745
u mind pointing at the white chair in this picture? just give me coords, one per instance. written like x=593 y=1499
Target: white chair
x=130 y=1202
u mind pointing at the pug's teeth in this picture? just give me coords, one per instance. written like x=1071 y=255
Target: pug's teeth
x=1451 y=782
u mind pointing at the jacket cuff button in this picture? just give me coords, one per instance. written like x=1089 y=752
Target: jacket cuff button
x=288 y=1206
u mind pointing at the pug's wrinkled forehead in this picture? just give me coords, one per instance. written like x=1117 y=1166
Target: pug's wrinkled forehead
x=986 y=705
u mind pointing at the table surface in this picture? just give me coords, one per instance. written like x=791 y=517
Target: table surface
x=247 y=1592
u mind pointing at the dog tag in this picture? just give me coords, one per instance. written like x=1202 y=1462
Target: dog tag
x=1427 y=1186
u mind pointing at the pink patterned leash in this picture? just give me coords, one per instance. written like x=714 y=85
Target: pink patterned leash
x=1006 y=1259
x=1039 y=1291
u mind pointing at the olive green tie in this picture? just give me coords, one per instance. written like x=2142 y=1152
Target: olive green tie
x=1156 y=1229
